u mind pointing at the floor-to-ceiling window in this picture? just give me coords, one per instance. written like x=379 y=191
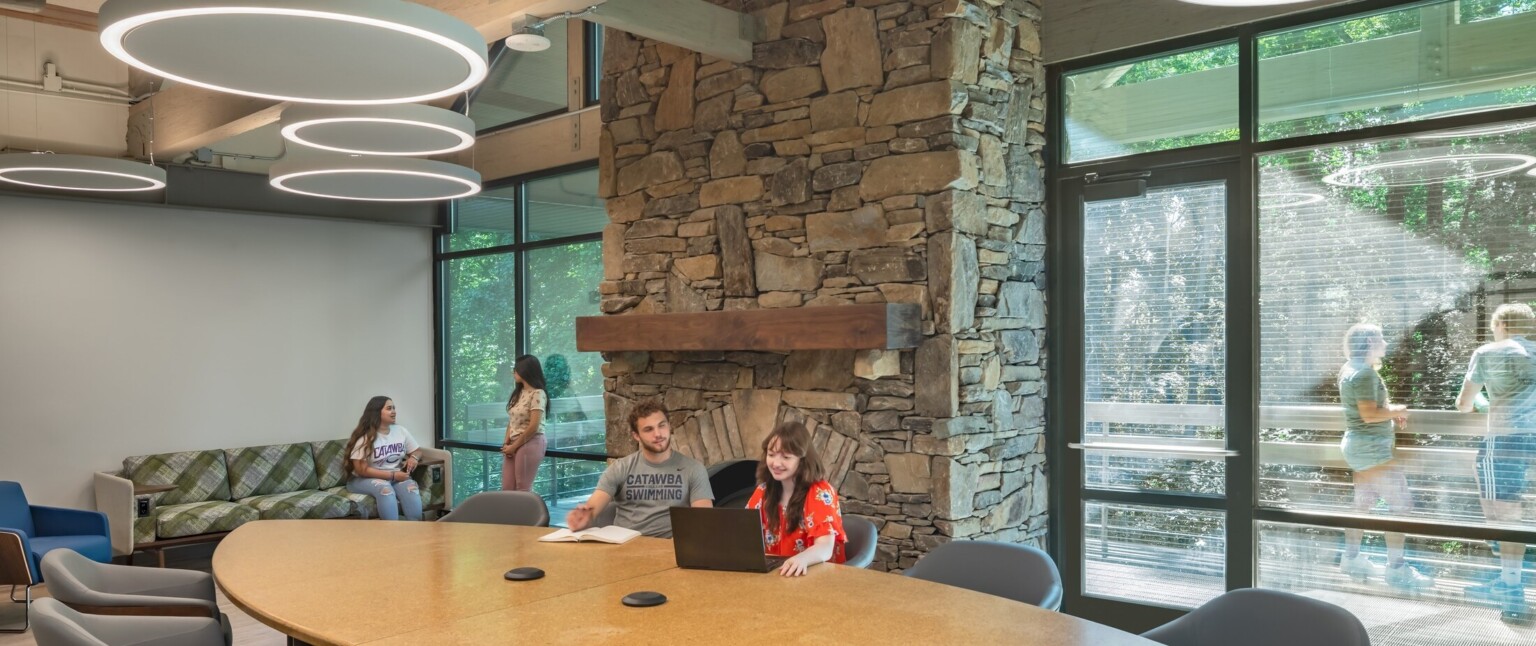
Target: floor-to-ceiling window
x=516 y=265
x=1267 y=239
x=522 y=261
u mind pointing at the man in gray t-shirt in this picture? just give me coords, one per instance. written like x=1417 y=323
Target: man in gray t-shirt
x=645 y=484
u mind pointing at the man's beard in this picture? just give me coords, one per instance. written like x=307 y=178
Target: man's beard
x=664 y=446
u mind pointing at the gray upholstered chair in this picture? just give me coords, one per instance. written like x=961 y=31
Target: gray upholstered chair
x=501 y=508
x=58 y=625
x=99 y=588
x=1254 y=617
x=1017 y=572
x=733 y=482
x=862 y=537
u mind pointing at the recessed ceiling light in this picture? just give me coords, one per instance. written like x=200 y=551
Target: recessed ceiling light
x=375 y=179
x=1431 y=169
x=529 y=40
x=406 y=129
x=350 y=52
x=80 y=173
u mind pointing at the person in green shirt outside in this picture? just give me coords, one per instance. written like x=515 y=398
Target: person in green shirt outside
x=1371 y=423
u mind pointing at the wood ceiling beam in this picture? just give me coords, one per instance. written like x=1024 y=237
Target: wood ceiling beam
x=187 y=118
x=182 y=118
x=56 y=16
x=690 y=24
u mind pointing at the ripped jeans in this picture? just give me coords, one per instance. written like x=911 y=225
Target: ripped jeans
x=385 y=495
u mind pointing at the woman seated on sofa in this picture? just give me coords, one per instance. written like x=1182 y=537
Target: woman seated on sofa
x=802 y=518
x=382 y=458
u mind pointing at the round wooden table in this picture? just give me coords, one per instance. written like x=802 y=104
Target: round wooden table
x=366 y=582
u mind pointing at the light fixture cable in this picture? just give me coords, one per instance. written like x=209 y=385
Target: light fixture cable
x=541 y=23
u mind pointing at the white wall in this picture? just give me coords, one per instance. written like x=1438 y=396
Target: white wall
x=1077 y=28
x=127 y=330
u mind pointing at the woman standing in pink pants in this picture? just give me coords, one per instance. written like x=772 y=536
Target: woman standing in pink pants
x=523 y=448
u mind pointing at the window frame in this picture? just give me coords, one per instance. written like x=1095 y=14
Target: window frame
x=580 y=79
x=1064 y=183
x=519 y=249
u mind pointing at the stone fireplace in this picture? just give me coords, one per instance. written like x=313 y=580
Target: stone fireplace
x=871 y=152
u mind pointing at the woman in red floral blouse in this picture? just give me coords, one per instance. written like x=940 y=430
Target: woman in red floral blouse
x=792 y=474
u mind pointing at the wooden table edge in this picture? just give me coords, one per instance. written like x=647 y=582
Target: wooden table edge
x=286 y=630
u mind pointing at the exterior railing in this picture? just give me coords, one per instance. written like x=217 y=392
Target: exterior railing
x=1139 y=444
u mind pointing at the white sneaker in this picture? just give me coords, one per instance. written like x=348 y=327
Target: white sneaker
x=1405 y=577
x=1359 y=567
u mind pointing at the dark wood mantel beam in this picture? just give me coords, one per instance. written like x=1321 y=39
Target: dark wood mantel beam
x=882 y=326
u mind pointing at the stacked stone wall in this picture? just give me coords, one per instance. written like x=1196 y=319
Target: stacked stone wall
x=872 y=151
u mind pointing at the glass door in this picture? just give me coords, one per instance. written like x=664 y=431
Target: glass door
x=1145 y=528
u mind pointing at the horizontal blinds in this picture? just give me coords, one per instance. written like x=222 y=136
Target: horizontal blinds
x=1434 y=236
x=493 y=213
x=1155 y=297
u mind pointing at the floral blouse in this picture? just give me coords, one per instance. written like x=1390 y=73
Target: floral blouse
x=531 y=399
x=823 y=515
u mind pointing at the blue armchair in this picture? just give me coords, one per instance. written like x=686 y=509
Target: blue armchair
x=27 y=532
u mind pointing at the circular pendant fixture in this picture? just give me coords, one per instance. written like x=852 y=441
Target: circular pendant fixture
x=348 y=52
x=404 y=130
x=1287 y=200
x=1429 y=166
x=1480 y=131
x=80 y=173
x=375 y=179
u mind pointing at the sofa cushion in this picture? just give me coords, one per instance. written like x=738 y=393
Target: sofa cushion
x=362 y=504
x=201 y=518
x=265 y=470
x=431 y=492
x=299 y=504
x=198 y=475
x=144 y=529
x=328 y=456
x=97 y=548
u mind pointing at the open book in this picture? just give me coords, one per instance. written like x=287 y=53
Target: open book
x=610 y=534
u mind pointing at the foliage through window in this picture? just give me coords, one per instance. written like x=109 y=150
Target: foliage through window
x=508 y=291
x=1174 y=101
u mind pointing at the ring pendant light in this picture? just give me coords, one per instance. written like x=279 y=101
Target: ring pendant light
x=80 y=173
x=345 y=52
x=1288 y=200
x=1459 y=166
x=400 y=130
x=375 y=179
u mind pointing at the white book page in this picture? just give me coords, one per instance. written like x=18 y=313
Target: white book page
x=561 y=535
x=610 y=534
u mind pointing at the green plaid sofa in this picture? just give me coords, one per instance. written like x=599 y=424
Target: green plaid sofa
x=200 y=495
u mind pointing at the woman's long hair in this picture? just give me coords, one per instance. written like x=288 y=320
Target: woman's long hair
x=794 y=439
x=367 y=430
x=528 y=368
